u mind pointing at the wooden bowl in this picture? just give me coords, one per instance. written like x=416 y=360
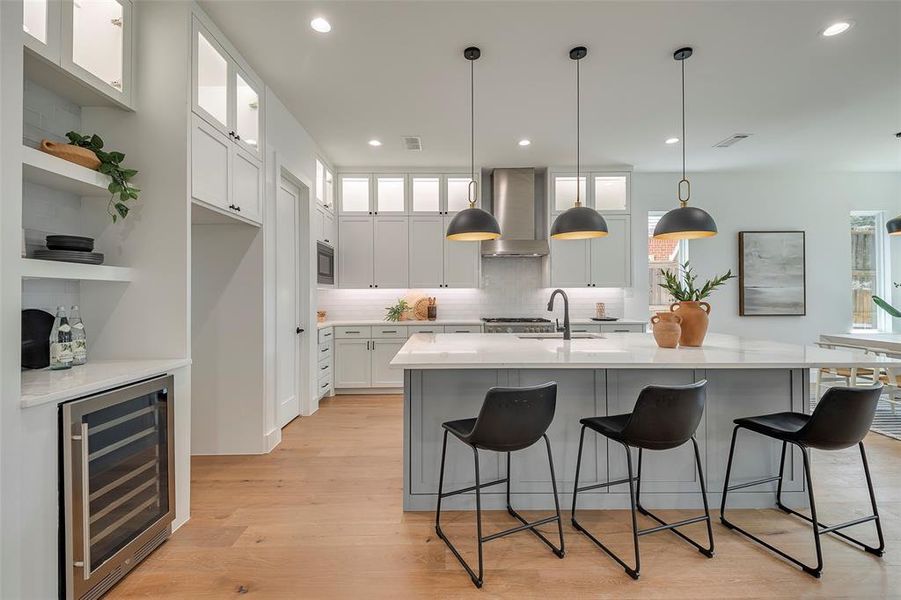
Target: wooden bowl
x=75 y=154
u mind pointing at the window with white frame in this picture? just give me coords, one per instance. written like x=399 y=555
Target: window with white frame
x=662 y=254
x=869 y=270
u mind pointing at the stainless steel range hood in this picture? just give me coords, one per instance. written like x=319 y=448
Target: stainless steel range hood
x=518 y=203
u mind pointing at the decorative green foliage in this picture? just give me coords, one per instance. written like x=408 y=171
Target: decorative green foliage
x=121 y=191
x=886 y=306
x=395 y=312
x=686 y=290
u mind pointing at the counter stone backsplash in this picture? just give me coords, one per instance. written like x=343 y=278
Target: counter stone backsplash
x=510 y=287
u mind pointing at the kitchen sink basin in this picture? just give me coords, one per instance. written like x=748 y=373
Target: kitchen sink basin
x=559 y=336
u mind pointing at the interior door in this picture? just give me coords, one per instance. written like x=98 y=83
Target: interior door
x=287 y=312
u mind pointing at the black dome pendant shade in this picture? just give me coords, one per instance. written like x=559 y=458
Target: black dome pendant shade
x=685 y=222
x=472 y=224
x=579 y=222
x=893 y=226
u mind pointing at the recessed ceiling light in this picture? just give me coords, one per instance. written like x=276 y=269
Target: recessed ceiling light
x=672 y=140
x=321 y=25
x=837 y=28
x=524 y=142
x=375 y=143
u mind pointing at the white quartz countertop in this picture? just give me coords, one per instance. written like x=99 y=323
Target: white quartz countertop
x=475 y=321
x=43 y=386
x=617 y=351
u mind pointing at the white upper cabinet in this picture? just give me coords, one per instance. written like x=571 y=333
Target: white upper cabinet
x=247 y=113
x=611 y=256
x=224 y=94
x=90 y=39
x=611 y=192
x=606 y=192
x=461 y=262
x=425 y=194
x=355 y=194
x=355 y=252
x=211 y=85
x=247 y=185
x=329 y=190
x=389 y=252
x=563 y=191
x=210 y=158
x=320 y=183
x=94 y=34
x=41 y=26
x=599 y=262
x=456 y=193
x=427 y=251
x=390 y=194
x=325 y=186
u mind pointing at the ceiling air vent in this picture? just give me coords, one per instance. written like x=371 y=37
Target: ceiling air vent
x=412 y=142
x=732 y=139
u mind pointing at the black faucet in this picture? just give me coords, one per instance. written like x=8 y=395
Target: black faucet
x=550 y=306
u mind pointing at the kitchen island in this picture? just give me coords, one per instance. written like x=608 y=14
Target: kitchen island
x=446 y=377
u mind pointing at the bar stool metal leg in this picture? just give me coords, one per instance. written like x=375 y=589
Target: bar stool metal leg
x=819 y=529
x=531 y=526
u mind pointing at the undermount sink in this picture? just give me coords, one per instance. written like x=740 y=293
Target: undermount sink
x=559 y=336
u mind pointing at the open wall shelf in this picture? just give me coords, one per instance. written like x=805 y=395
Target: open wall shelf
x=32 y=268
x=43 y=169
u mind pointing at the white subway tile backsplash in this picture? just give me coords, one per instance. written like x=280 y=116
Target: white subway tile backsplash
x=47 y=115
x=510 y=287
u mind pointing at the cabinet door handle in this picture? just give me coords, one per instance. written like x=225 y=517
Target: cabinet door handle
x=323 y=368
x=299 y=330
x=326 y=241
x=373 y=344
x=324 y=350
x=324 y=385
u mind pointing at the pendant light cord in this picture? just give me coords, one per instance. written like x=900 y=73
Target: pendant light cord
x=578 y=133
x=472 y=133
x=684 y=201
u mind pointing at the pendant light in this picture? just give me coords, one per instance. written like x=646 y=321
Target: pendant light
x=893 y=226
x=685 y=222
x=473 y=224
x=579 y=222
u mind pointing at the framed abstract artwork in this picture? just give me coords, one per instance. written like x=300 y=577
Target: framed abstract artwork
x=771 y=273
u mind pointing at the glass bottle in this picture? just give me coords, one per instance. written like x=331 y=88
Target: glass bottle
x=61 y=341
x=79 y=338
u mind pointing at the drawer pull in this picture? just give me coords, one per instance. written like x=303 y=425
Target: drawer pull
x=323 y=368
x=389 y=330
x=357 y=332
x=329 y=334
x=323 y=350
x=324 y=385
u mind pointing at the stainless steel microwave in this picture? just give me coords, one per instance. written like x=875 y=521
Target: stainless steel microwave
x=325 y=264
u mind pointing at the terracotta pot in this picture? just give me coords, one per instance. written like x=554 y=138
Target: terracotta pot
x=694 y=321
x=667 y=329
x=76 y=154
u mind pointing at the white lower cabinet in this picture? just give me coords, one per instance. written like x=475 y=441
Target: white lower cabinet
x=353 y=363
x=325 y=363
x=383 y=351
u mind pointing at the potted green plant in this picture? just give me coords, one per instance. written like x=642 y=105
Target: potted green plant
x=397 y=311
x=120 y=188
x=689 y=301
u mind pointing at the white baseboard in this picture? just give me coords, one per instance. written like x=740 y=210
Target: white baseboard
x=368 y=391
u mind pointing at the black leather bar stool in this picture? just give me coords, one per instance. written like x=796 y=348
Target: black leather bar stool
x=664 y=417
x=511 y=419
x=841 y=419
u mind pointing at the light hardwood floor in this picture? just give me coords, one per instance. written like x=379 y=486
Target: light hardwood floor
x=321 y=517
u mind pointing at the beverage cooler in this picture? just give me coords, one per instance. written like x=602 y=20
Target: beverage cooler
x=118 y=496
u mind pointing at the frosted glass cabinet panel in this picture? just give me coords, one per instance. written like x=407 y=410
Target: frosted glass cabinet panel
x=390 y=194
x=611 y=193
x=457 y=193
x=329 y=190
x=212 y=80
x=247 y=114
x=355 y=194
x=320 y=182
x=97 y=39
x=35 y=15
x=564 y=189
x=426 y=192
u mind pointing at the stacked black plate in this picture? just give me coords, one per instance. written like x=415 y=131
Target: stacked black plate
x=70 y=248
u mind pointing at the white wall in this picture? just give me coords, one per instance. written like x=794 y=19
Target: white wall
x=291 y=151
x=817 y=203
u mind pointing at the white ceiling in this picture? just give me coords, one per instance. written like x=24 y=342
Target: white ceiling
x=389 y=69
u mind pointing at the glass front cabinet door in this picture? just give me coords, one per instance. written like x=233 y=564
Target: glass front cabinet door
x=96 y=45
x=41 y=26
